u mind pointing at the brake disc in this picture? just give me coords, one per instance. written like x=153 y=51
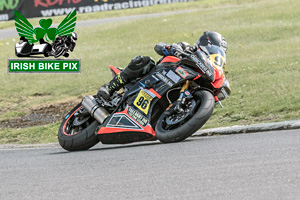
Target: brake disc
x=79 y=121
x=176 y=118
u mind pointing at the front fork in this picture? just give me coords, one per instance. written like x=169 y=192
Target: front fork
x=184 y=95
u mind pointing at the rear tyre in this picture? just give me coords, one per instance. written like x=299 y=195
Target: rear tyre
x=74 y=137
x=175 y=129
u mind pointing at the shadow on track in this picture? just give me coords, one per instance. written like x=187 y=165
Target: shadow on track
x=119 y=146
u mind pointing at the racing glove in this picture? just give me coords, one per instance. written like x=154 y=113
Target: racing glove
x=173 y=50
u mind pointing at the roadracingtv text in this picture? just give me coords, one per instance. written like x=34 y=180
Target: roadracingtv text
x=108 y=6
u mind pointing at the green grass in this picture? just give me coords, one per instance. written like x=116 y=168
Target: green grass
x=12 y=114
x=263 y=59
x=32 y=135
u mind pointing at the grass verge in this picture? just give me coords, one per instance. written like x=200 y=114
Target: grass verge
x=32 y=135
x=263 y=61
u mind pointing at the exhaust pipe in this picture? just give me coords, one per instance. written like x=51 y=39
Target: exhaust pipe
x=96 y=111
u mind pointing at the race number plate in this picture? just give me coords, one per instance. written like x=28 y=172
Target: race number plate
x=143 y=101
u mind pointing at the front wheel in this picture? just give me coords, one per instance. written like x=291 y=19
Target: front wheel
x=77 y=130
x=178 y=126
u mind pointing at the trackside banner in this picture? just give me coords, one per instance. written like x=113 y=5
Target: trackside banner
x=48 y=8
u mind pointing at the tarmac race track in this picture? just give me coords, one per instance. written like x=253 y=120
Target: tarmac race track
x=244 y=166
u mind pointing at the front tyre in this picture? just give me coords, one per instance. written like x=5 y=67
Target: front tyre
x=77 y=133
x=172 y=128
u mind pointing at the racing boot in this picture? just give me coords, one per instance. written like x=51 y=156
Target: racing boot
x=138 y=67
x=115 y=84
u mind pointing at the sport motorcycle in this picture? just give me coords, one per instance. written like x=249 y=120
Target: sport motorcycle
x=170 y=103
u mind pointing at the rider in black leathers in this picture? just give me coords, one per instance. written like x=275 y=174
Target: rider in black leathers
x=141 y=65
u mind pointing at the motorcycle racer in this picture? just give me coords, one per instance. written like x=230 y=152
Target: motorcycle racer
x=211 y=47
x=168 y=100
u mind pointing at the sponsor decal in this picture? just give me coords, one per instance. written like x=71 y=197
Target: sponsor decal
x=123 y=121
x=200 y=65
x=156 y=79
x=171 y=75
x=182 y=72
x=149 y=93
x=187 y=93
x=164 y=79
x=137 y=116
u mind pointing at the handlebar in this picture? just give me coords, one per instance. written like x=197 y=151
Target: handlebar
x=197 y=60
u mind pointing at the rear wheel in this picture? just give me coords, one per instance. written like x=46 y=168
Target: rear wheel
x=77 y=130
x=178 y=126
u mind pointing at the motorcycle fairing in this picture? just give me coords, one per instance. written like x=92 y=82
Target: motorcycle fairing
x=127 y=126
x=133 y=123
x=170 y=59
x=143 y=100
x=114 y=70
x=219 y=80
x=166 y=78
x=161 y=80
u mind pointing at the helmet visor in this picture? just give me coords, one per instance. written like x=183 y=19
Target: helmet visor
x=213 y=49
x=216 y=55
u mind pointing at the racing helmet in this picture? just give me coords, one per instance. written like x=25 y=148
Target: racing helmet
x=215 y=46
